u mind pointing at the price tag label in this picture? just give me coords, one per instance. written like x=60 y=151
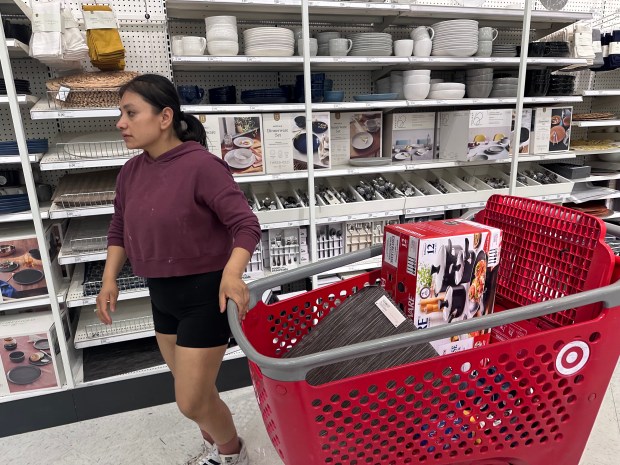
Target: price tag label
x=440 y=102
x=252 y=59
x=353 y=171
x=377 y=215
x=340 y=60
x=253 y=108
x=72 y=214
x=72 y=165
x=410 y=167
x=372 y=59
x=80 y=259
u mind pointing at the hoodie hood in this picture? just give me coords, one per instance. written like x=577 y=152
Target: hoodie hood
x=171 y=155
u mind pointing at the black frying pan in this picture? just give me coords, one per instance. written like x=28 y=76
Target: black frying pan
x=23 y=375
x=28 y=276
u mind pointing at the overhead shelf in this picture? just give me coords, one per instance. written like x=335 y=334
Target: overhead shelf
x=597 y=123
x=601 y=93
x=22 y=99
x=43 y=110
x=367 y=13
x=9 y=159
x=23 y=216
x=328 y=63
x=56 y=212
x=16 y=304
x=17 y=49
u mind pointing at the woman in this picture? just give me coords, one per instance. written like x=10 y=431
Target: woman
x=183 y=223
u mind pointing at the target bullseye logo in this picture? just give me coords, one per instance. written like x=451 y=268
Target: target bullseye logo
x=572 y=358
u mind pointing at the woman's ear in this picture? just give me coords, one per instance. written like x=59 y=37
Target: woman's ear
x=167 y=117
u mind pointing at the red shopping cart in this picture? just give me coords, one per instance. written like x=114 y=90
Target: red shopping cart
x=525 y=401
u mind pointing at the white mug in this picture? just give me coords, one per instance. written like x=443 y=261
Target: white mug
x=340 y=47
x=423 y=48
x=177 y=45
x=487 y=33
x=314 y=47
x=485 y=48
x=422 y=32
x=194 y=45
x=403 y=48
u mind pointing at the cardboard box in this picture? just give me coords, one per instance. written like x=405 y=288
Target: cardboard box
x=526 y=130
x=474 y=135
x=355 y=135
x=285 y=141
x=238 y=139
x=409 y=137
x=552 y=129
x=443 y=271
x=34 y=335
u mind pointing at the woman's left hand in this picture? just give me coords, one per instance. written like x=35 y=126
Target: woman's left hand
x=233 y=287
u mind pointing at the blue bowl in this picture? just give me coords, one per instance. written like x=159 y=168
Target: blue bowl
x=328 y=84
x=333 y=95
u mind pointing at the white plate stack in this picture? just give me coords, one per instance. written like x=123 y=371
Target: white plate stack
x=269 y=42
x=504 y=50
x=371 y=44
x=222 y=37
x=455 y=38
x=323 y=39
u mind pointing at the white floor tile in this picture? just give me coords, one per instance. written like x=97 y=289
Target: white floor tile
x=162 y=436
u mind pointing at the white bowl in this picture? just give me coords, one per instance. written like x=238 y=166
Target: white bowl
x=223 y=48
x=417 y=72
x=212 y=20
x=416 y=91
x=219 y=35
x=447 y=86
x=446 y=94
x=417 y=80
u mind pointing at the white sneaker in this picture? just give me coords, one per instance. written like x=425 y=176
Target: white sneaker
x=208 y=456
x=237 y=459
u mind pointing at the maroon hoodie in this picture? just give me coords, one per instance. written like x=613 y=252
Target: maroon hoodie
x=180 y=214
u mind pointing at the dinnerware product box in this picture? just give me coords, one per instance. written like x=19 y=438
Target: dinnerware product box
x=475 y=135
x=33 y=334
x=552 y=129
x=409 y=137
x=440 y=272
x=525 y=136
x=285 y=141
x=355 y=136
x=238 y=140
x=287 y=247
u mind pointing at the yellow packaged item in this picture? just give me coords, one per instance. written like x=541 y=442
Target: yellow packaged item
x=105 y=47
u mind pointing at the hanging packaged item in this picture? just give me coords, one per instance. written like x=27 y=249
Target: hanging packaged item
x=105 y=47
x=46 y=40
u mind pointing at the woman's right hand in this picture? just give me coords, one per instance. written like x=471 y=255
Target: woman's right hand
x=106 y=301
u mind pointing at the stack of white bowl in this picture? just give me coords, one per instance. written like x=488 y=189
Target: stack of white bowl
x=455 y=38
x=417 y=84
x=505 y=88
x=479 y=82
x=447 y=91
x=323 y=38
x=371 y=44
x=396 y=84
x=222 y=37
x=269 y=42
x=383 y=86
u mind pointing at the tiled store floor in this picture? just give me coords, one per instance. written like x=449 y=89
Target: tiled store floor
x=162 y=436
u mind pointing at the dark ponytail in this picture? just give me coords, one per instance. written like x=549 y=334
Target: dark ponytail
x=160 y=93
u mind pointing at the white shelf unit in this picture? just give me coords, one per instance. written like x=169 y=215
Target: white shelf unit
x=19 y=304
x=43 y=110
x=597 y=124
x=24 y=216
x=601 y=93
x=22 y=99
x=17 y=49
x=13 y=159
x=56 y=212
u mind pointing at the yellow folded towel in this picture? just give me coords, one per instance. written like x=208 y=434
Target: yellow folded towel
x=105 y=47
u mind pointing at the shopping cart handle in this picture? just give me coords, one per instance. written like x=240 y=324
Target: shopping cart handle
x=258 y=287
x=295 y=369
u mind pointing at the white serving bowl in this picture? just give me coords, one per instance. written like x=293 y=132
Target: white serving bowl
x=447 y=86
x=226 y=20
x=216 y=35
x=416 y=91
x=446 y=94
x=223 y=48
x=417 y=80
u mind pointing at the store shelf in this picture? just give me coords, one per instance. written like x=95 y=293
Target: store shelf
x=328 y=63
x=56 y=212
x=43 y=110
x=581 y=153
x=30 y=302
x=85 y=240
x=24 y=216
x=601 y=93
x=17 y=49
x=595 y=178
x=76 y=297
x=53 y=161
x=366 y=13
x=11 y=159
x=596 y=124
x=29 y=394
x=22 y=99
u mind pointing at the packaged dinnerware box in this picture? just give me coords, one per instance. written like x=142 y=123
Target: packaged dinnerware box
x=475 y=135
x=440 y=272
x=552 y=129
x=355 y=136
x=409 y=137
x=525 y=135
x=28 y=354
x=285 y=142
x=238 y=139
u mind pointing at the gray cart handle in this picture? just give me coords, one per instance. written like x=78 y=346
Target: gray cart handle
x=295 y=369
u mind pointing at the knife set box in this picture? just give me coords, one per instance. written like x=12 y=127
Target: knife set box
x=364 y=316
x=442 y=271
x=28 y=353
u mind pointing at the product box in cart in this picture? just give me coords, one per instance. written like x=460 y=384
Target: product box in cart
x=355 y=136
x=28 y=353
x=409 y=137
x=285 y=142
x=440 y=272
x=237 y=139
x=552 y=129
x=475 y=135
